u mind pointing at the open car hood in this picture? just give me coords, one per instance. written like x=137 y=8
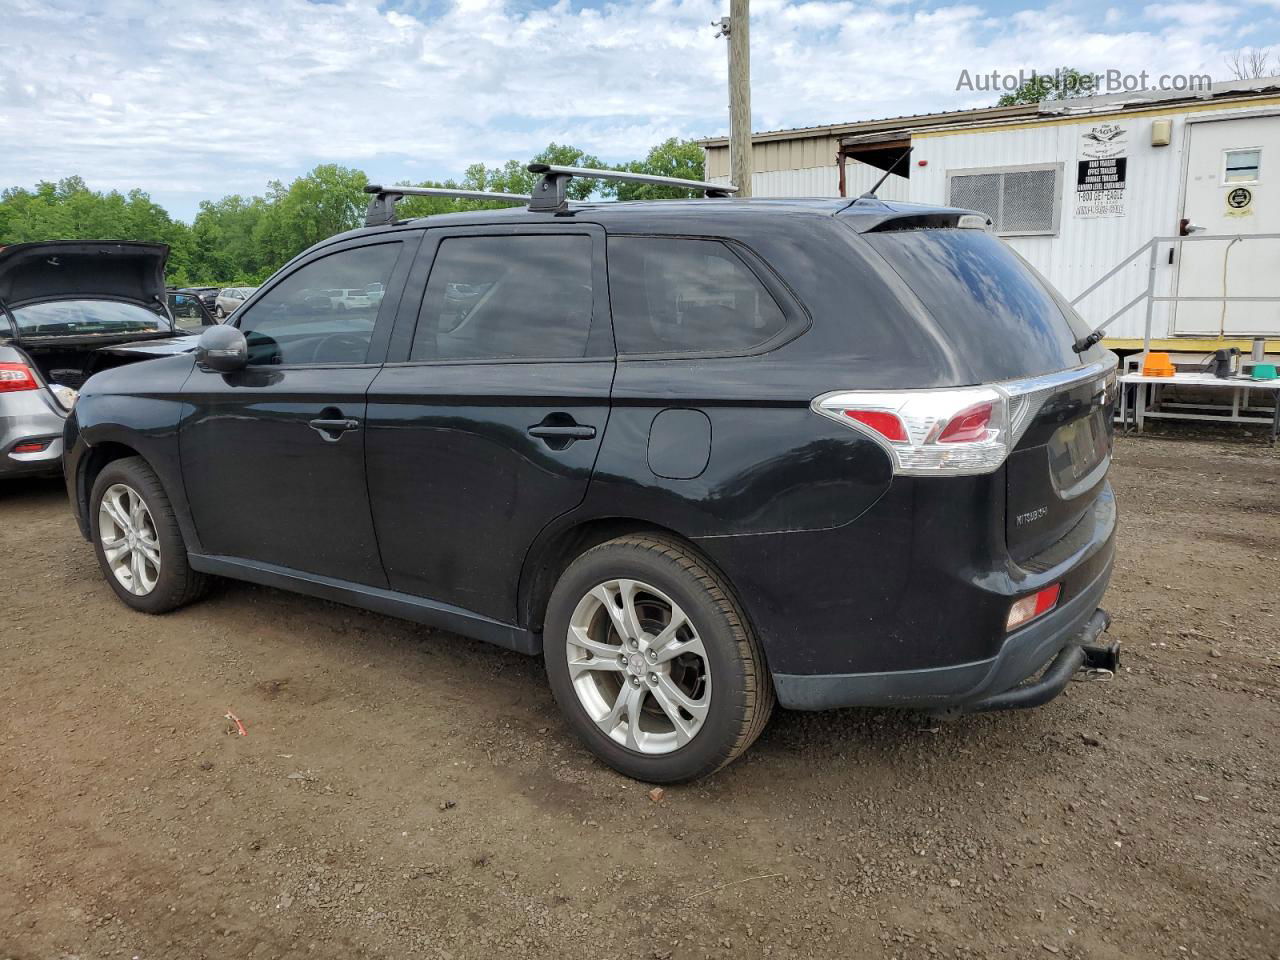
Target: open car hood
x=82 y=269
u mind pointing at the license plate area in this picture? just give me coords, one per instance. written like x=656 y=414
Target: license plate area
x=1077 y=452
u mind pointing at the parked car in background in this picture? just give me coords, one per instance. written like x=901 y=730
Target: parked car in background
x=189 y=311
x=700 y=456
x=208 y=295
x=68 y=309
x=349 y=299
x=229 y=300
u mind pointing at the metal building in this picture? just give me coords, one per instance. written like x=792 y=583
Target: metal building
x=1083 y=188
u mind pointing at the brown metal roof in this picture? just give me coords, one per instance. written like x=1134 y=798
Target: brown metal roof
x=888 y=123
x=863 y=130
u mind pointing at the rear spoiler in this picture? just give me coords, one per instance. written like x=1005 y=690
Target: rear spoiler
x=910 y=217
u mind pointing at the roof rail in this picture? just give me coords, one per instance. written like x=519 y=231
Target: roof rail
x=549 y=194
x=382 y=205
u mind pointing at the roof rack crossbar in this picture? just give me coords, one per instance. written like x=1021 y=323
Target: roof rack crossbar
x=549 y=194
x=382 y=205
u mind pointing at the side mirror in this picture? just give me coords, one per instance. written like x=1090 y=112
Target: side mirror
x=222 y=349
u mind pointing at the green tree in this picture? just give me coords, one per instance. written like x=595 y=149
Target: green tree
x=69 y=210
x=1058 y=85
x=671 y=158
x=328 y=200
x=223 y=247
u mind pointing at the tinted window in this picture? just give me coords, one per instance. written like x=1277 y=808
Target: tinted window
x=979 y=290
x=506 y=297
x=686 y=296
x=303 y=319
x=82 y=318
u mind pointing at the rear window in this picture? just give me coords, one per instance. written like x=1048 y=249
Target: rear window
x=674 y=295
x=984 y=295
x=86 y=318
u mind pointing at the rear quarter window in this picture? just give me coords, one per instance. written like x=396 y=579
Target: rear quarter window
x=984 y=296
x=673 y=295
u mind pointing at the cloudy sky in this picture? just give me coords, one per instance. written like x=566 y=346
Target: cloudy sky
x=193 y=100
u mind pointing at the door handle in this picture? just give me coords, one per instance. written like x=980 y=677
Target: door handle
x=333 y=429
x=575 y=432
x=559 y=430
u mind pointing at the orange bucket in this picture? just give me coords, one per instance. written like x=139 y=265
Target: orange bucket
x=1158 y=365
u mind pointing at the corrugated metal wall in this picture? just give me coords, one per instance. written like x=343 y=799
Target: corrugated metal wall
x=802 y=153
x=824 y=182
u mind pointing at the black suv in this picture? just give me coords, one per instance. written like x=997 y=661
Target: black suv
x=701 y=455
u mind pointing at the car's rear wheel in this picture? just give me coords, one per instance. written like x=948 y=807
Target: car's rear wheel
x=137 y=539
x=652 y=661
x=219 y=313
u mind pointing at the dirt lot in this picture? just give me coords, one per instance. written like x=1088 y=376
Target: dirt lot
x=408 y=793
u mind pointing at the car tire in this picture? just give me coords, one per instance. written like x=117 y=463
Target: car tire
x=137 y=540
x=688 y=715
x=220 y=313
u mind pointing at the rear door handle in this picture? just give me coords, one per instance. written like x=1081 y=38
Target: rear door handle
x=560 y=431
x=574 y=432
x=333 y=429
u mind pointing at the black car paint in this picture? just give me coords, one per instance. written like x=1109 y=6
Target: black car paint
x=843 y=569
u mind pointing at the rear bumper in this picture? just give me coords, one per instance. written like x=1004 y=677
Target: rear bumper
x=1022 y=655
x=26 y=416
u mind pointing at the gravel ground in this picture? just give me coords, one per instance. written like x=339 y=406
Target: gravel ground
x=403 y=792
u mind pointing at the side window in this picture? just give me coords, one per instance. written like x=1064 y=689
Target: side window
x=496 y=298
x=302 y=319
x=672 y=295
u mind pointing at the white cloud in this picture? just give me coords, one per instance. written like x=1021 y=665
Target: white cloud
x=190 y=99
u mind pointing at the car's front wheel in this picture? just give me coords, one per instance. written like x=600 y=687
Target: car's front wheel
x=652 y=661
x=137 y=539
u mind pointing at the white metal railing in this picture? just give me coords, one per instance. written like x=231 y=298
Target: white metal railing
x=1149 y=294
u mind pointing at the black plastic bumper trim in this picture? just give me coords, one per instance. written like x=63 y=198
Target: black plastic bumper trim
x=1054 y=680
x=1023 y=655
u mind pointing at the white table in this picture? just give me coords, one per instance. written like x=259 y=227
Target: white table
x=1239 y=385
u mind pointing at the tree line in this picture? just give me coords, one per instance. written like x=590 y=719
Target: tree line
x=241 y=240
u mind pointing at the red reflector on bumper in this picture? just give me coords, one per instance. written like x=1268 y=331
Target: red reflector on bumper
x=1029 y=608
x=30 y=446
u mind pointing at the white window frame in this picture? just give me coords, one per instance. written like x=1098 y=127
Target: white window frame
x=1257 y=176
x=1057 y=169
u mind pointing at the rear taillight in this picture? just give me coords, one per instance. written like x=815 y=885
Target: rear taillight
x=1030 y=608
x=886 y=424
x=929 y=432
x=969 y=426
x=15 y=377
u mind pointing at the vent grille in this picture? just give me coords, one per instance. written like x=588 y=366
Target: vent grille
x=1023 y=201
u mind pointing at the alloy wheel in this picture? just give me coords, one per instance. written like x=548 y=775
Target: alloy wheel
x=638 y=666
x=129 y=540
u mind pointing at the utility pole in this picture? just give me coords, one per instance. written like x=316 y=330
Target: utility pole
x=737 y=27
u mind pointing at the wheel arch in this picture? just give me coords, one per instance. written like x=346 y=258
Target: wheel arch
x=556 y=548
x=94 y=461
x=118 y=444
